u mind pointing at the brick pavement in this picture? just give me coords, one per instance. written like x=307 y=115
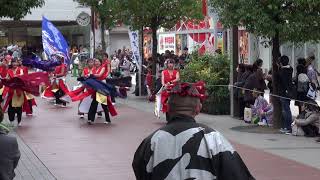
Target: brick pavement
x=73 y=150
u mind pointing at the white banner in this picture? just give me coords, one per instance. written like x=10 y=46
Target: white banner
x=134 y=41
x=167 y=42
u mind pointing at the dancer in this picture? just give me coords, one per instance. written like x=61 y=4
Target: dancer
x=14 y=97
x=58 y=89
x=168 y=77
x=87 y=71
x=3 y=75
x=101 y=72
x=94 y=94
x=30 y=100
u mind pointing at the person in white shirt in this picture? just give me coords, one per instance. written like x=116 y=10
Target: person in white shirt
x=115 y=64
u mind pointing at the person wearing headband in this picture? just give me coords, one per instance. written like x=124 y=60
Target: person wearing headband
x=185 y=149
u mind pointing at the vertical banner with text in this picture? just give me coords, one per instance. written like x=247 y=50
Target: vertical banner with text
x=134 y=41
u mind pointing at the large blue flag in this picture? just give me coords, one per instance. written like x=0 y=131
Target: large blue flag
x=53 y=41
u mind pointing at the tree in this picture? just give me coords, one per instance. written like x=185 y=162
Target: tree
x=109 y=13
x=17 y=9
x=279 y=21
x=159 y=13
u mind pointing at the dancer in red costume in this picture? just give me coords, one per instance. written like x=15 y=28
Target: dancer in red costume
x=14 y=98
x=3 y=75
x=58 y=88
x=87 y=71
x=169 y=76
x=92 y=101
x=27 y=106
x=101 y=72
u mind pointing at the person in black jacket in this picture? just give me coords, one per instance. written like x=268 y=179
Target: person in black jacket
x=285 y=86
x=9 y=152
x=185 y=149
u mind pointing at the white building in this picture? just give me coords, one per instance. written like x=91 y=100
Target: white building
x=63 y=14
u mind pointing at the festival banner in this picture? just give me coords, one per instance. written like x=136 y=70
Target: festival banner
x=134 y=41
x=53 y=41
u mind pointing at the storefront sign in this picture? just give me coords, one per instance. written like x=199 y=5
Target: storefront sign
x=167 y=42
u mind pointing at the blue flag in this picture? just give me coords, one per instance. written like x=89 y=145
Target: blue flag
x=53 y=41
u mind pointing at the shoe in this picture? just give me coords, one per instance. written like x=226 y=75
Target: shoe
x=29 y=114
x=106 y=122
x=19 y=124
x=284 y=130
x=81 y=116
x=288 y=133
x=113 y=104
x=262 y=124
x=11 y=123
x=89 y=122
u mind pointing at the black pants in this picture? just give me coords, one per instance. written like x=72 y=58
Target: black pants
x=12 y=111
x=58 y=95
x=113 y=99
x=93 y=110
x=30 y=105
x=242 y=105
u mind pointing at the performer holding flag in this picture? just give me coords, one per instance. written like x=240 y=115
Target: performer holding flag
x=56 y=47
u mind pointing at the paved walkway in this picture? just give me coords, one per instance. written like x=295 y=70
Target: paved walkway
x=72 y=150
x=30 y=167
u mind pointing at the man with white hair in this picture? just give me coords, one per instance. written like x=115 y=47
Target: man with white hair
x=185 y=149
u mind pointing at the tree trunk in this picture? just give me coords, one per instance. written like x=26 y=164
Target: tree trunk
x=143 y=91
x=154 y=53
x=103 y=39
x=277 y=120
x=235 y=110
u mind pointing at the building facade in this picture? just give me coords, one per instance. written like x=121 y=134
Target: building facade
x=63 y=14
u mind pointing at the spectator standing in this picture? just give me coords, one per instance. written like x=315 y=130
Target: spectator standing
x=125 y=67
x=285 y=87
x=302 y=82
x=250 y=84
x=9 y=152
x=241 y=78
x=257 y=68
x=115 y=62
x=312 y=72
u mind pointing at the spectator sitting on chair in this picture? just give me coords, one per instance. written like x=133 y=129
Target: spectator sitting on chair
x=9 y=152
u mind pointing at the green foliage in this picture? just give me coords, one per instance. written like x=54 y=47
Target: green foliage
x=159 y=13
x=17 y=9
x=110 y=11
x=214 y=70
x=295 y=20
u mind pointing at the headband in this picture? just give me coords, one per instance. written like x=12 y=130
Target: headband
x=197 y=90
